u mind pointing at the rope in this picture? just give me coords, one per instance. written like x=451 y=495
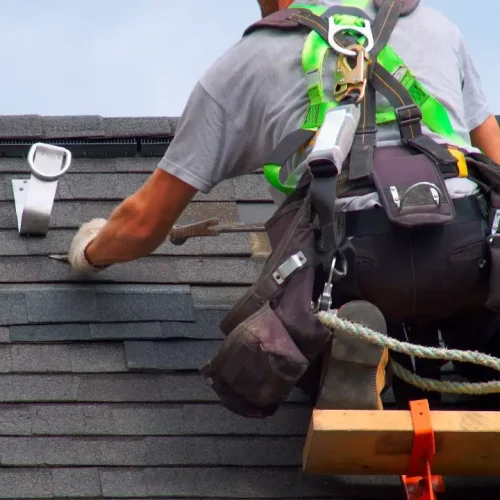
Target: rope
x=334 y=322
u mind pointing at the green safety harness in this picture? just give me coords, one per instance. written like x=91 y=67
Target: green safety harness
x=316 y=47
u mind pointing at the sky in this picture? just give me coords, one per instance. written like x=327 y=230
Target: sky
x=143 y=57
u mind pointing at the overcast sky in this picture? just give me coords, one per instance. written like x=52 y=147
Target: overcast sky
x=142 y=57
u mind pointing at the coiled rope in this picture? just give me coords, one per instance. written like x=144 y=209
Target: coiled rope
x=334 y=322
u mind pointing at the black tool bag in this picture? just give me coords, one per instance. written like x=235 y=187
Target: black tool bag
x=272 y=333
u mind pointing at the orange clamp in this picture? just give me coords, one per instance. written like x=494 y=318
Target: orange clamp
x=419 y=483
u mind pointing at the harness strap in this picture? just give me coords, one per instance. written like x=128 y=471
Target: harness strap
x=408 y=6
x=361 y=159
x=408 y=116
x=314 y=17
x=387 y=16
x=363 y=145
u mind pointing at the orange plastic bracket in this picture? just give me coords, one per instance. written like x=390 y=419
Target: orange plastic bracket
x=419 y=483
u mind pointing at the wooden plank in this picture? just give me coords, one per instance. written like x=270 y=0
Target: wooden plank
x=380 y=442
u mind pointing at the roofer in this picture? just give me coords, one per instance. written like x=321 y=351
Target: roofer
x=406 y=238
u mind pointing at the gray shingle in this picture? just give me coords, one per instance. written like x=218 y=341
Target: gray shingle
x=148 y=330
x=207 y=297
x=138 y=164
x=19 y=166
x=139 y=126
x=206 y=327
x=110 y=387
x=12 y=308
x=72 y=214
x=150 y=305
x=62 y=358
x=69 y=305
x=234 y=483
x=17 y=126
x=37 y=126
x=150 y=451
x=145 y=419
x=169 y=355
x=130 y=330
x=4 y=335
x=58 y=241
x=73 y=126
x=49 y=333
x=119 y=419
x=99 y=187
x=255 y=213
x=153 y=269
x=76 y=482
x=65 y=303
x=15 y=420
x=116 y=186
x=289 y=420
x=25 y=483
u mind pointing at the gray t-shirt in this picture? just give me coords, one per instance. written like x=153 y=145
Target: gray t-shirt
x=255 y=94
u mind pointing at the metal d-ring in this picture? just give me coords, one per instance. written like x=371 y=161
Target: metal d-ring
x=34 y=198
x=436 y=193
x=334 y=28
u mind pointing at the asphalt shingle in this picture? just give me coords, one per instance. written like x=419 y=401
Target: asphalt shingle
x=145 y=419
x=146 y=451
x=236 y=483
x=58 y=241
x=71 y=214
x=110 y=388
x=169 y=355
x=100 y=393
x=62 y=358
x=168 y=270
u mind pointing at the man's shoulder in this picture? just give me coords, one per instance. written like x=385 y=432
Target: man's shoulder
x=433 y=20
x=262 y=51
x=256 y=69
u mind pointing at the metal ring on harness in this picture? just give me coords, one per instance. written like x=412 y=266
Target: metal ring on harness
x=365 y=30
x=436 y=193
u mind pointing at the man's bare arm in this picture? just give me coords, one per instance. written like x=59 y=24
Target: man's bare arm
x=486 y=137
x=141 y=223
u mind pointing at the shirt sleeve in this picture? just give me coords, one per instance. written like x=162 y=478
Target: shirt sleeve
x=207 y=147
x=475 y=105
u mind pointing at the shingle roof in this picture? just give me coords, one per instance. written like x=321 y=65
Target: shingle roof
x=100 y=396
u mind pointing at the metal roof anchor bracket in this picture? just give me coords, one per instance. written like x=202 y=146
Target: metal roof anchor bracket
x=34 y=198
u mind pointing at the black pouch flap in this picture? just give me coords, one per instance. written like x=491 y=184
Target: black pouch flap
x=412 y=190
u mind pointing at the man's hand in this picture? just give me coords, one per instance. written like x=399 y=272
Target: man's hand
x=77 y=252
x=138 y=226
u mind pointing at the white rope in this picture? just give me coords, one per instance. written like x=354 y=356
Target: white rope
x=334 y=322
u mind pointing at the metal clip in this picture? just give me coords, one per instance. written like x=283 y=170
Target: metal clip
x=434 y=190
x=494 y=227
x=351 y=79
x=34 y=198
x=288 y=267
x=325 y=300
x=365 y=31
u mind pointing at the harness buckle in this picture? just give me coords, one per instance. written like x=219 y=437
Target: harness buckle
x=409 y=114
x=351 y=79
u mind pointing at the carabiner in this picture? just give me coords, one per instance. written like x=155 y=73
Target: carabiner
x=350 y=79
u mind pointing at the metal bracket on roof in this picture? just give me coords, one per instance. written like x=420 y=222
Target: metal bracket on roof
x=34 y=197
